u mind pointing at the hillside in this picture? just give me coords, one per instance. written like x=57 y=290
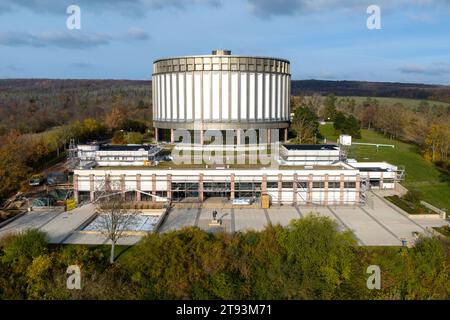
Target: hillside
x=35 y=105
x=372 y=89
x=304 y=87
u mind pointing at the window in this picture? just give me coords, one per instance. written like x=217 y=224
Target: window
x=302 y=184
x=388 y=180
x=272 y=184
x=287 y=185
x=350 y=185
x=334 y=184
x=247 y=186
x=318 y=185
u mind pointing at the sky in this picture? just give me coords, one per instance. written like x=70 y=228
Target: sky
x=323 y=39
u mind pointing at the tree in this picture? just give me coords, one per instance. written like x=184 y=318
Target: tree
x=370 y=108
x=391 y=120
x=305 y=125
x=319 y=255
x=119 y=138
x=114 y=119
x=313 y=102
x=347 y=125
x=38 y=276
x=132 y=125
x=352 y=127
x=330 y=107
x=19 y=250
x=134 y=138
x=14 y=170
x=437 y=142
x=114 y=218
x=339 y=121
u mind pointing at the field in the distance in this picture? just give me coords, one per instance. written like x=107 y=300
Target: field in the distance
x=421 y=175
x=410 y=103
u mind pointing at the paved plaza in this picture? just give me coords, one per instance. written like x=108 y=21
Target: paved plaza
x=380 y=224
x=377 y=224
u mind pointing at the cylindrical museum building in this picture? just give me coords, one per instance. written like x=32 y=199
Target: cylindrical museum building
x=220 y=92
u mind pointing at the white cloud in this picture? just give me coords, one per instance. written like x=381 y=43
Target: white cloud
x=130 y=7
x=268 y=8
x=434 y=69
x=67 y=39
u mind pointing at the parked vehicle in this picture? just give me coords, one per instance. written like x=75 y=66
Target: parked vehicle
x=37 y=180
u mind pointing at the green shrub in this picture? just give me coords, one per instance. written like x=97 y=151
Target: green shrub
x=19 y=250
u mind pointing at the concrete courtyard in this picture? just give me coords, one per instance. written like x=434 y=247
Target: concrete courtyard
x=377 y=224
x=380 y=224
x=61 y=227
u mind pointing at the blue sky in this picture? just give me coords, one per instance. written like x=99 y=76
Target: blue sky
x=323 y=39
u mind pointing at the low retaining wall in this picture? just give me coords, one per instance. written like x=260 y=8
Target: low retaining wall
x=441 y=213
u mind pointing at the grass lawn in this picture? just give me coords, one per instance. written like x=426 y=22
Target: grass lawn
x=421 y=175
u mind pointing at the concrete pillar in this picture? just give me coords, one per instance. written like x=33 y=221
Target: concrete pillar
x=108 y=182
x=310 y=189
x=280 y=187
x=285 y=134
x=138 y=187
x=201 y=196
x=75 y=188
x=172 y=137
x=154 y=187
x=91 y=187
x=122 y=185
x=381 y=181
x=295 y=189
x=232 y=186
x=269 y=136
x=264 y=184
x=325 y=196
x=357 y=188
x=341 y=185
x=156 y=135
x=169 y=186
x=238 y=136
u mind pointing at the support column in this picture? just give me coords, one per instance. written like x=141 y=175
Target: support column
x=341 y=185
x=238 y=136
x=108 y=183
x=202 y=140
x=381 y=181
x=357 y=188
x=285 y=134
x=200 y=188
x=295 y=189
x=91 y=188
x=280 y=187
x=138 y=187
x=169 y=186
x=156 y=135
x=153 y=187
x=310 y=189
x=122 y=185
x=172 y=138
x=325 y=196
x=269 y=136
x=232 y=186
x=264 y=184
x=75 y=188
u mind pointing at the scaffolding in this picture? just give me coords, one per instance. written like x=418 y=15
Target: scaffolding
x=72 y=157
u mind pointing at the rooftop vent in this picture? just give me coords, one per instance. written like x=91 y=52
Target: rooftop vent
x=221 y=52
